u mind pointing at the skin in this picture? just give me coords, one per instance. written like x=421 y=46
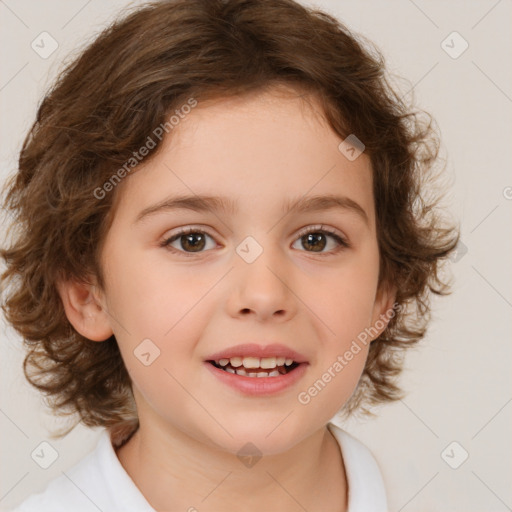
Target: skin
x=260 y=151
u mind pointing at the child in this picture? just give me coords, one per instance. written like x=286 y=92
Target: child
x=224 y=243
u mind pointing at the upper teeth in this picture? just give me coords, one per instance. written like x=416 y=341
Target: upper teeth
x=255 y=362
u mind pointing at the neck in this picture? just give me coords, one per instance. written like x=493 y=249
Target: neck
x=176 y=472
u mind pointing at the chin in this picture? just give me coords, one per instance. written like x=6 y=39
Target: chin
x=267 y=435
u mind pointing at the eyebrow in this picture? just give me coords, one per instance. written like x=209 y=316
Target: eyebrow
x=227 y=205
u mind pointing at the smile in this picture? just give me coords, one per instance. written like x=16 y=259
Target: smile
x=254 y=369
x=256 y=366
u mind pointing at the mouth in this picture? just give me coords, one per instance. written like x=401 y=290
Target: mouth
x=257 y=370
x=256 y=367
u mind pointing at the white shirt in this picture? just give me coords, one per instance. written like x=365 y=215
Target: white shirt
x=100 y=483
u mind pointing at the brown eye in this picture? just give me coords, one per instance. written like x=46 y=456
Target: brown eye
x=193 y=242
x=317 y=239
x=187 y=241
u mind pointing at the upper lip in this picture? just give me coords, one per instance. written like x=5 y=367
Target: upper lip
x=255 y=350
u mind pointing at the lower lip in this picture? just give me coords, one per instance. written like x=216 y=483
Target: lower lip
x=258 y=386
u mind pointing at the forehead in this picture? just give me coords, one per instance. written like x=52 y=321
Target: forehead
x=261 y=150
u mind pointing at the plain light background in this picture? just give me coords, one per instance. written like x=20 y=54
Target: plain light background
x=458 y=380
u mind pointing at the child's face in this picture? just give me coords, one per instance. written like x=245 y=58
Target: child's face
x=201 y=296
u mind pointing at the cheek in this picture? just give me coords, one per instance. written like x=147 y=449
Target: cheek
x=333 y=381
x=345 y=313
x=344 y=301
x=158 y=320
x=153 y=300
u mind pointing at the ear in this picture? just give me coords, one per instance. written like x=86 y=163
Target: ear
x=85 y=309
x=383 y=308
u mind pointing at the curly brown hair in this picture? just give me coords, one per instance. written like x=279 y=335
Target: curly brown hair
x=128 y=81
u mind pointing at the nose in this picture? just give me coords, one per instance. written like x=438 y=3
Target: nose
x=262 y=289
